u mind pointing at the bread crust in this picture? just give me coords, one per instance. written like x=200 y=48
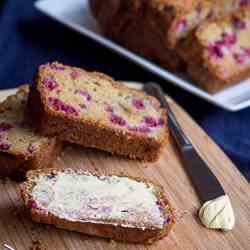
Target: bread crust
x=131 y=25
x=90 y=134
x=143 y=36
x=208 y=81
x=15 y=165
x=102 y=228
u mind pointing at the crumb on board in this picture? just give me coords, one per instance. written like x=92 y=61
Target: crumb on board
x=5 y=180
x=37 y=245
x=48 y=227
x=180 y=215
x=15 y=211
x=112 y=242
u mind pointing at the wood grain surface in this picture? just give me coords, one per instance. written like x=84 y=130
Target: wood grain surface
x=17 y=230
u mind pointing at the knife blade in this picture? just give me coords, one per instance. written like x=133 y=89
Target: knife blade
x=203 y=179
x=216 y=211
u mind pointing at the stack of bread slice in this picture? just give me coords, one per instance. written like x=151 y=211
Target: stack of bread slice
x=70 y=105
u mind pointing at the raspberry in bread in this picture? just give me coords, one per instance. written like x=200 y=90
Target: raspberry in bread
x=218 y=52
x=93 y=110
x=118 y=207
x=156 y=27
x=180 y=17
x=21 y=148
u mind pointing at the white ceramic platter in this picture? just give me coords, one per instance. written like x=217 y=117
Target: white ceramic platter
x=76 y=15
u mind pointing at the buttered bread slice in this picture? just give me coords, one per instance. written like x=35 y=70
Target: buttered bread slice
x=21 y=148
x=93 y=110
x=117 y=207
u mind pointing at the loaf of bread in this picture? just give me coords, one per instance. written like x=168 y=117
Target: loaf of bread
x=93 y=110
x=118 y=207
x=21 y=148
x=155 y=28
x=218 y=52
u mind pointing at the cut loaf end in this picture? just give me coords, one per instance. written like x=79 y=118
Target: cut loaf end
x=21 y=147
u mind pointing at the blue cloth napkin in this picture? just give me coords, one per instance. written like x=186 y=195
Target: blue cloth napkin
x=28 y=39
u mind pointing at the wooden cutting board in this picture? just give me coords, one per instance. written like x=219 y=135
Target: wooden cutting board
x=17 y=230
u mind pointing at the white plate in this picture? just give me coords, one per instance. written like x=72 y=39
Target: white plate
x=76 y=15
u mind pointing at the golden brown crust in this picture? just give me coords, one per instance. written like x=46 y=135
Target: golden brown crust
x=15 y=165
x=208 y=81
x=90 y=134
x=136 y=26
x=103 y=229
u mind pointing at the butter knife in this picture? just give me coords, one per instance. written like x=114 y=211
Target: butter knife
x=216 y=211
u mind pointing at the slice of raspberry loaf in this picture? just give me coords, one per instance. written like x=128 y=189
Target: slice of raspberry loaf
x=93 y=110
x=118 y=207
x=218 y=52
x=21 y=148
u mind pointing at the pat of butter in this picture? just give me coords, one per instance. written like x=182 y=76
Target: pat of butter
x=218 y=214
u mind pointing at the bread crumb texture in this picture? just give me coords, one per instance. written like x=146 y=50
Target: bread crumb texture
x=16 y=134
x=97 y=98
